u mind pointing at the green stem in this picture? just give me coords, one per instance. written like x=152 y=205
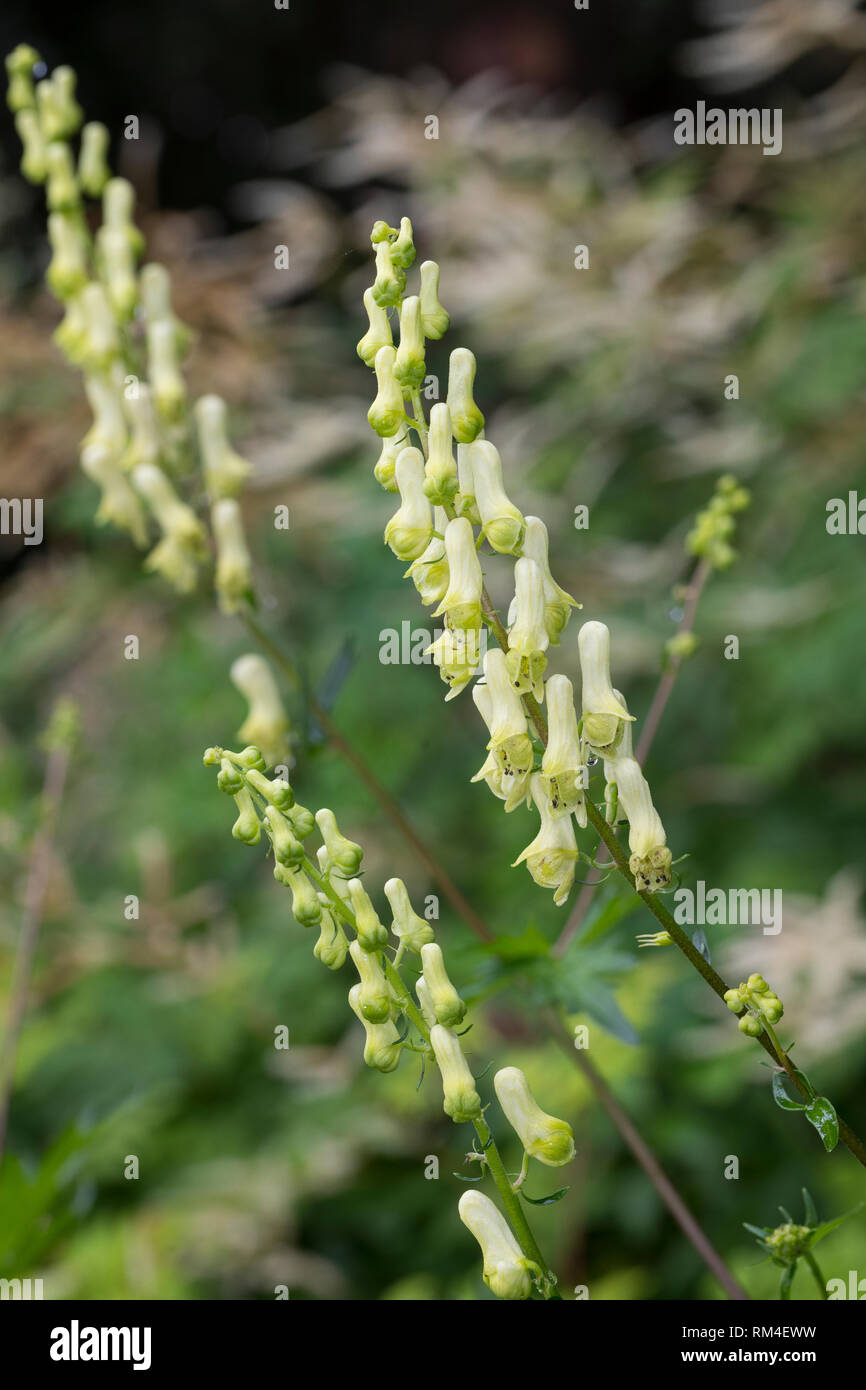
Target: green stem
x=819 y=1278
x=510 y=1200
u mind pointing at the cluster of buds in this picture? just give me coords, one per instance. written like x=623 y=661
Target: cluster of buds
x=788 y=1242
x=120 y=330
x=710 y=537
x=757 y=1004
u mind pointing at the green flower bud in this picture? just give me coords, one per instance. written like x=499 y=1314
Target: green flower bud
x=410 y=929
x=102 y=338
x=34 y=158
x=288 y=849
x=224 y=470
x=306 y=908
x=757 y=984
x=378 y=334
x=409 y=364
x=250 y=758
x=266 y=725
x=789 y=1242
x=385 y=466
x=386 y=414
x=603 y=713
x=62 y=192
x=118 y=212
x=390 y=279
x=461 y=1100
x=374 y=999
x=303 y=821
x=466 y=419
x=382 y=1045
x=381 y=232
x=434 y=319
x=462 y=599
x=750 y=1025
x=506 y=1269
x=247 y=828
x=118 y=504
x=410 y=529
x=343 y=853
x=440 y=473
x=277 y=792
x=448 y=1007
x=234 y=573
x=372 y=935
x=544 y=1137
x=332 y=947
x=67 y=272
x=734 y=1001
x=429 y=573
x=502 y=523
x=19 y=67
x=155 y=283
x=403 y=248
x=167 y=384
x=117 y=269
x=93 y=170
x=229 y=778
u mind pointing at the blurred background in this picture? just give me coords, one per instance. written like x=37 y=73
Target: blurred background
x=602 y=387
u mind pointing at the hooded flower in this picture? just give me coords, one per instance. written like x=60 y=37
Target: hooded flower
x=379 y=332
x=650 y=860
x=409 y=365
x=563 y=772
x=557 y=603
x=461 y=1100
x=332 y=947
x=234 y=574
x=374 y=999
x=410 y=529
x=410 y=929
x=506 y=1269
x=466 y=419
x=458 y=654
x=552 y=856
x=429 y=573
x=603 y=713
x=343 y=854
x=372 y=934
x=544 y=1137
x=440 y=473
x=224 y=471
x=266 y=725
x=434 y=319
x=382 y=1042
x=509 y=788
x=462 y=600
x=501 y=522
x=447 y=1004
x=93 y=170
x=527 y=634
x=177 y=555
x=509 y=741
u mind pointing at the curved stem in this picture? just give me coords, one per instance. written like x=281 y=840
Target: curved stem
x=819 y=1278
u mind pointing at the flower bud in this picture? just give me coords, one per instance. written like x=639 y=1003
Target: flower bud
x=234 y=576
x=734 y=1001
x=19 y=67
x=109 y=426
x=67 y=272
x=155 y=284
x=144 y=444
x=34 y=158
x=117 y=270
x=409 y=929
x=224 y=470
x=374 y=999
x=425 y=1003
x=266 y=724
x=403 y=247
x=501 y=522
x=119 y=504
x=288 y=849
x=410 y=529
x=382 y=1045
x=390 y=279
x=434 y=319
x=461 y=1100
x=562 y=768
x=343 y=854
x=464 y=501
x=384 y=468
x=603 y=713
x=169 y=391
x=306 y=908
x=527 y=634
x=448 y=1007
x=440 y=473
x=62 y=192
x=462 y=600
x=378 y=334
x=551 y=857
x=276 y=791
x=457 y=655
x=750 y=1025
x=429 y=573
x=66 y=112
x=510 y=789
x=102 y=344
x=247 y=828
x=303 y=821
x=650 y=860
x=230 y=779
x=118 y=212
x=372 y=935
x=506 y=1268
x=544 y=1137
x=557 y=603
x=93 y=170
x=509 y=740
x=409 y=366
x=467 y=421
x=332 y=947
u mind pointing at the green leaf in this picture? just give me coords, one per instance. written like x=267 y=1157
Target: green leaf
x=515 y=950
x=827 y=1226
x=822 y=1114
x=760 y=1231
x=780 y=1095
x=811 y=1213
x=545 y=1201
x=787 y=1280
x=465 y=1178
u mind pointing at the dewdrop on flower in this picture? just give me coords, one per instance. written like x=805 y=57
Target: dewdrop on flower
x=410 y=929
x=266 y=725
x=551 y=857
x=410 y=529
x=650 y=861
x=224 y=470
x=447 y=1004
x=464 y=501
x=409 y=366
x=332 y=947
x=501 y=522
x=117 y=270
x=34 y=162
x=544 y=1137
x=386 y=414
x=382 y=1045
x=429 y=573
x=509 y=740
x=372 y=935
x=390 y=281
x=118 y=212
x=169 y=391
x=467 y=421
x=93 y=170
x=603 y=713
x=511 y=790
x=461 y=1101
x=434 y=319
x=374 y=999
x=462 y=599
x=562 y=768
x=557 y=603
x=527 y=634
x=62 y=192
x=119 y=504
x=378 y=334
x=67 y=272
x=247 y=828
x=342 y=853
x=155 y=286
x=20 y=63
x=233 y=580
x=506 y=1270
x=440 y=472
